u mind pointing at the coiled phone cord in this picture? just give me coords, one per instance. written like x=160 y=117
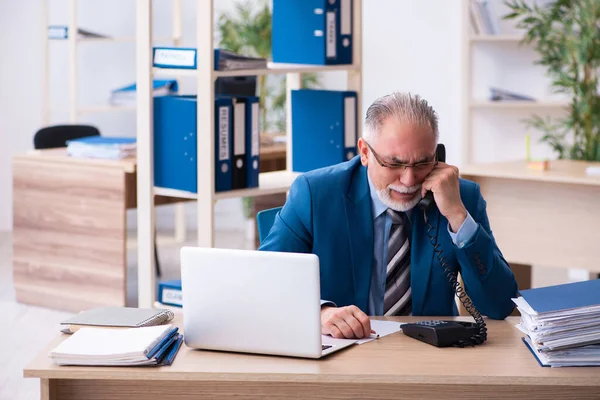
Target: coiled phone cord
x=481 y=336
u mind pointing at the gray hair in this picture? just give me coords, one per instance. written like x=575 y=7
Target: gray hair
x=405 y=107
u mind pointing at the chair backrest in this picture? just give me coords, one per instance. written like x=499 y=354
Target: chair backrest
x=265 y=220
x=57 y=136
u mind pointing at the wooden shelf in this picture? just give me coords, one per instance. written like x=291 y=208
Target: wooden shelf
x=104 y=108
x=272 y=69
x=268 y=183
x=495 y=38
x=520 y=105
x=116 y=39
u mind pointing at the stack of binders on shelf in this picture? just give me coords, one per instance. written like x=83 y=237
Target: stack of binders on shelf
x=186 y=58
x=324 y=128
x=237 y=143
x=562 y=323
x=317 y=32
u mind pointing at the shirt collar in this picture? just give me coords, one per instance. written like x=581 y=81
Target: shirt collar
x=377 y=207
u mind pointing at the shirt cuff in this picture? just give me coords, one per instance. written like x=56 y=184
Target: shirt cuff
x=327 y=303
x=465 y=232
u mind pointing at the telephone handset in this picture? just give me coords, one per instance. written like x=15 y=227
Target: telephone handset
x=446 y=333
x=427 y=201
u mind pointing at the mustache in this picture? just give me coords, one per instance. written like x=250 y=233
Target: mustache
x=404 y=189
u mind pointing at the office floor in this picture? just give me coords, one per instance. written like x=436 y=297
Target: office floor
x=27 y=329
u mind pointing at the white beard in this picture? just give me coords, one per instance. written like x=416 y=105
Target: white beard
x=403 y=206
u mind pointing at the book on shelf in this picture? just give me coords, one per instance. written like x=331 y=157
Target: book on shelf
x=497 y=94
x=149 y=346
x=562 y=323
x=127 y=95
x=62 y=32
x=483 y=18
x=186 y=58
x=102 y=147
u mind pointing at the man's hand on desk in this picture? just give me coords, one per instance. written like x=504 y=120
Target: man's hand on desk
x=345 y=322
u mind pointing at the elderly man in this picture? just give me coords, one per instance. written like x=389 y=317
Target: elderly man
x=360 y=218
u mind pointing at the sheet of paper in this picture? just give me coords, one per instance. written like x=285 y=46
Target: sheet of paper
x=383 y=328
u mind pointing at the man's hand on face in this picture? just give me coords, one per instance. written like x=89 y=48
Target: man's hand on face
x=443 y=182
x=345 y=322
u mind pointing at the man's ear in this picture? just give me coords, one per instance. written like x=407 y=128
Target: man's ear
x=363 y=150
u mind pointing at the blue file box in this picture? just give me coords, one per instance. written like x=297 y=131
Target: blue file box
x=315 y=32
x=324 y=128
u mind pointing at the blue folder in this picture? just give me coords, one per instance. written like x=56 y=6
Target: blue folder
x=169 y=293
x=563 y=297
x=312 y=31
x=324 y=128
x=175 y=143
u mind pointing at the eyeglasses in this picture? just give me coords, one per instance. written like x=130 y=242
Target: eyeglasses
x=418 y=167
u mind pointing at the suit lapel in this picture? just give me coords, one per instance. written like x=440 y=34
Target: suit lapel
x=360 y=230
x=422 y=256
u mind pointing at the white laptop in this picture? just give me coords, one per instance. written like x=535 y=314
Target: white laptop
x=254 y=302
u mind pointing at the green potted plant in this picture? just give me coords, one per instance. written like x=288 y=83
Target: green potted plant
x=566 y=35
x=247 y=30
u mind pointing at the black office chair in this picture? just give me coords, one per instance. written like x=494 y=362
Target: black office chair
x=55 y=136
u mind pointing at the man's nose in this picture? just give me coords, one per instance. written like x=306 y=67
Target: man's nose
x=408 y=177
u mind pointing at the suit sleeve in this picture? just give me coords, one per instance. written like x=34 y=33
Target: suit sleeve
x=488 y=279
x=292 y=228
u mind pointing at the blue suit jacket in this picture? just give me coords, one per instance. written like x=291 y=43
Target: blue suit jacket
x=328 y=213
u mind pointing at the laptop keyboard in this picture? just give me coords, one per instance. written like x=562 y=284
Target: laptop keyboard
x=325 y=346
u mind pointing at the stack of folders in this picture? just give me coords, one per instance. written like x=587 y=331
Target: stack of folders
x=186 y=58
x=102 y=147
x=127 y=95
x=154 y=345
x=562 y=323
x=504 y=95
x=483 y=18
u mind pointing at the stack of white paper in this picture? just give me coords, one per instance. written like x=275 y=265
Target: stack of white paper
x=118 y=347
x=562 y=323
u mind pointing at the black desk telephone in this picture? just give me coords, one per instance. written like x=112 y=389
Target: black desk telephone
x=446 y=333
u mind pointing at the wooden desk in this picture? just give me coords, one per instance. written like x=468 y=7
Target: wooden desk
x=546 y=218
x=69 y=229
x=392 y=367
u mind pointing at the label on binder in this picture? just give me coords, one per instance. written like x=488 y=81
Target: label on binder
x=255 y=134
x=346 y=17
x=172 y=296
x=330 y=38
x=350 y=122
x=223 y=133
x=239 y=129
x=175 y=57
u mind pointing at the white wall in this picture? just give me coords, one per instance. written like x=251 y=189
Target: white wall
x=414 y=46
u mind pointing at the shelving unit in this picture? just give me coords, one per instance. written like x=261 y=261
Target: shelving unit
x=74 y=110
x=269 y=183
x=473 y=105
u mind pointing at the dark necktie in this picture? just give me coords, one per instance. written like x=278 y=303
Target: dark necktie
x=397 y=298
